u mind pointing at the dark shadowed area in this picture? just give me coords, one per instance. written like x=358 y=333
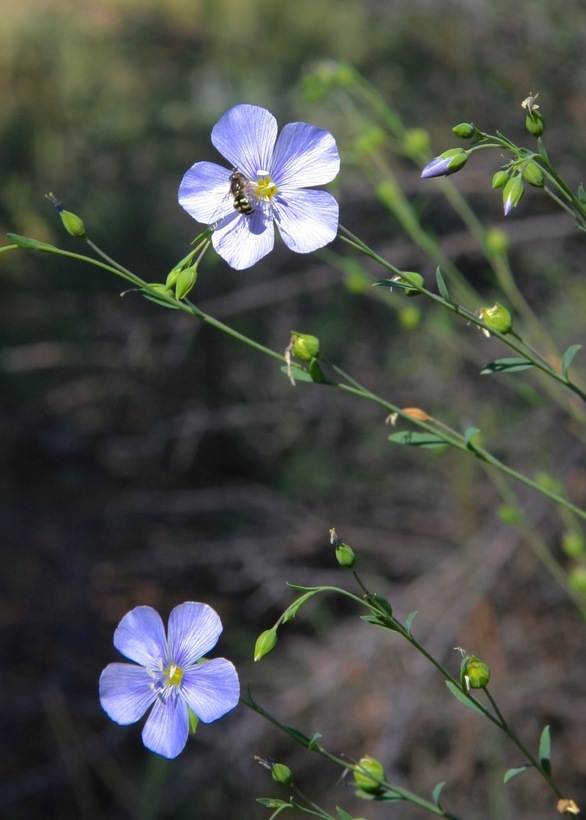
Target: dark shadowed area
x=149 y=459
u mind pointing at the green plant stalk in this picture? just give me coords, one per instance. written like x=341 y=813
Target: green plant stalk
x=509 y=339
x=396 y=626
x=313 y=746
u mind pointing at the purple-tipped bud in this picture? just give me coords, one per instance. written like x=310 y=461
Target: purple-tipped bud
x=512 y=193
x=447 y=163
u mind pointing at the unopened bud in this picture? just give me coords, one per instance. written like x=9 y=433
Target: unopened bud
x=305 y=347
x=512 y=193
x=464 y=130
x=500 y=179
x=265 y=643
x=282 y=774
x=185 y=281
x=533 y=175
x=497 y=317
x=476 y=673
x=345 y=556
x=534 y=123
x=447 y=163
x=409 y=281
x=71 y=222
x=363 y=780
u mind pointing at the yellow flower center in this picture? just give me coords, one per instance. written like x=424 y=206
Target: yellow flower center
x=173 y=675
x=264 y=188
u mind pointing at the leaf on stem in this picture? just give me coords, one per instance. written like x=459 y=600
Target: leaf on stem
x=300 y=374
x=541 y=149
x=510 y=773
x=417 y=439
x=157 y=300
x=343 y=814
x=437 y=792
x=506 y=366
x=545 y=751
x=409 y=621
x=463 y=698
x=568 y=358
x=441 y=285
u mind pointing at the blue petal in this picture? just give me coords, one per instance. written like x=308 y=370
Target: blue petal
x=211 y=689
x=140 y=636
x=438 y=167
x=246 y=136
x=125 y=692
x=305 y=155
x=205 y=192
x=193 y=630
x=167 y=727
x=243 y=240
x=306 y=219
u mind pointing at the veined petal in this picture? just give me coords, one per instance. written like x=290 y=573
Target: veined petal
x=192 y=631
x=125 y=692
x=242 y=240
x=211 y=689
x=205 y=192
x=305 y=155
x=306 y=219
x=246 y=136
x=140 y=636
x=167 y=727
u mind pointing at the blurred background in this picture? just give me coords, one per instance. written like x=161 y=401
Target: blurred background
x=149 y=460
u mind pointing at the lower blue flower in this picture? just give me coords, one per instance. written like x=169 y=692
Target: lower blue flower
x=270 y=183
x=168 y=674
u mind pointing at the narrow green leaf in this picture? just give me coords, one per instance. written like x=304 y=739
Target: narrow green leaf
x=313 y=744
x=459 y=695
x=410 y=620
x=416 y=439
x=28 y=243
x=510 y=773
x=375 y=620
x=581 y=194
x=541 y=149
x=273 y=803
x=506 y=366
x=384 y=283
x=436 y=793
x=343 y=814
x=469 y=435
x=441 y=285
x=545 y=750
x=568 y=358
x=300 y=374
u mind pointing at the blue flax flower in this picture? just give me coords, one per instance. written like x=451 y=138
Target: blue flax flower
x=270 y=182
x=168 y=676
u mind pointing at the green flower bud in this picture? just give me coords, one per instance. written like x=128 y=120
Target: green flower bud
x=265 y=643
x=185 y=281
x=464 y=130
x=500 y=179
x=305 y=347
x=410 y=317
x=345 y=556
x=534 y=123
x=282 y=774
x=512 y=193
x=172 y=278
x=497 y=318
x=476 y=673
x=497 y=241
x=369 y=140
x=412 y=277
x=534 y=175
x=72 y=223
x=363 y=779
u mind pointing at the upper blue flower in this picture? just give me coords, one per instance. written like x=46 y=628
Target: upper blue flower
x=275 y=175
x=168 y=676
